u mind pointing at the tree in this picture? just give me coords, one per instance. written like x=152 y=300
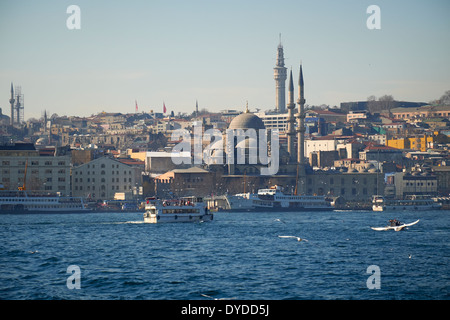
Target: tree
x=445 y=98
x=441 y=139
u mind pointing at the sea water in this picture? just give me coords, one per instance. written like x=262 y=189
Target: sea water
x=238 y=256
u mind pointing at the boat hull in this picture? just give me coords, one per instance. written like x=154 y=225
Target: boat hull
x=293 y=209
x=171 y=218
x=380 y=208
x=26 y=211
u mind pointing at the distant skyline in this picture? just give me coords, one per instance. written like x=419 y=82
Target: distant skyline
x=219 y=53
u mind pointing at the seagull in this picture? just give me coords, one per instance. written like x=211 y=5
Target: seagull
x=298 y=238
x=410 y=256
x=33 y=251
x=279 y=220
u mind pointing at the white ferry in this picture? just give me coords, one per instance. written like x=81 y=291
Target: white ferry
x=188 y=209
x=291 y=202
x=247 y=202
x=22 y=201
x=410 y=203
x=273 y=199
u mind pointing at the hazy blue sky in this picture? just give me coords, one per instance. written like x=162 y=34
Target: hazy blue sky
x=221 y=53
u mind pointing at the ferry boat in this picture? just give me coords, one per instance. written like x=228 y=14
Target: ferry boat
x=273 y=199
x=410 y=203
x=247 y=202
x=187 y=209
x=291 y=202
x=21 y=201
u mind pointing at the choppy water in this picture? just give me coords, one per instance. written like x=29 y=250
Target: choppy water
x=238 y=255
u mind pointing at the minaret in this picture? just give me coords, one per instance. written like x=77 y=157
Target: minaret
x=280 y=76
x=11 y=101
x=301 y=133
x=291 y=120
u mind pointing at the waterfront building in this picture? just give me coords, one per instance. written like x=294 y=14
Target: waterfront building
x=103 y=177
x=45 y=170
x=402 y=184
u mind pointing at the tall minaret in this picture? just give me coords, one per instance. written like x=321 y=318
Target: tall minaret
x=291 y=120
x=301 y=133
x=280 y=76
x=11 y=101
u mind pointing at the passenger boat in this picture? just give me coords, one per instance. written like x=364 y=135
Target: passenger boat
x=187 y=209
x=247 y=202
x=273 y=199
x=410 y=203
x=22 y=201
x=292 y=202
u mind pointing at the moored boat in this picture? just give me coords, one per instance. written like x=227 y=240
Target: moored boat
x=274 y=199
x=22 y=201
x=410 y=203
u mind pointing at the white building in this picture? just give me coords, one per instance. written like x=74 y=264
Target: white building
x=102 y=178
x=356 y=115
x=274 y=121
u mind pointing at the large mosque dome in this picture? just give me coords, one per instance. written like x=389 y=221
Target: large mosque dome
x=247 y=120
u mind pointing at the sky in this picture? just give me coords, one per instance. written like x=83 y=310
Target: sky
x=219 y=53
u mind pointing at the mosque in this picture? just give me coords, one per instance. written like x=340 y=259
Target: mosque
x=294 y=173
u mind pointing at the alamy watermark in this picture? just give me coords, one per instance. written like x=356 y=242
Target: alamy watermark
x=74 y=280
x=73 y=22
x=251 y=146
x=374 y=280
x=374 y=20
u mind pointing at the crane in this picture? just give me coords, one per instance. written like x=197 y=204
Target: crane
x=23 y=187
